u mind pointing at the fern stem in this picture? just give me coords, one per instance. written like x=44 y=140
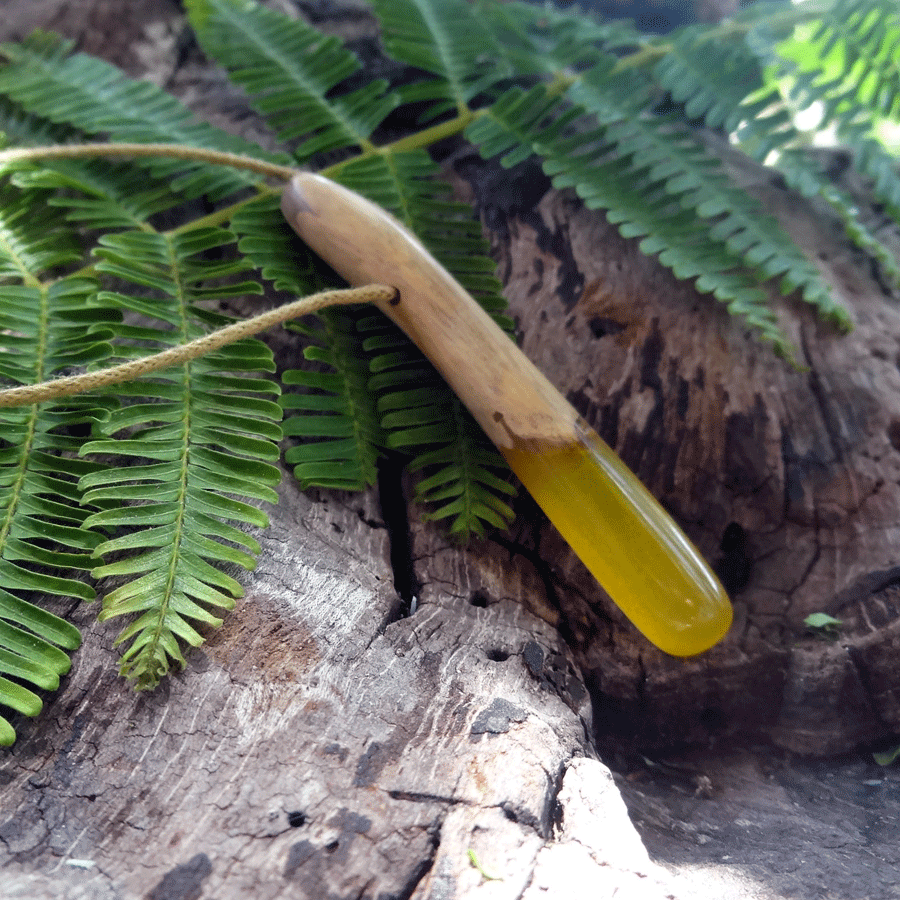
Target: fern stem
x=225 y=214
x=419 y=140
x=647 y=55
x=175 y=151
x=77 y=384
x=151 y=646
x=16 y=487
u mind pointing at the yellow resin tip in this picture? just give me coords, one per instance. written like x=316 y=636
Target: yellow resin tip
x=629 y=543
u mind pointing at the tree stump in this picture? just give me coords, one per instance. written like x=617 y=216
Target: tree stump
x=784 y=476
x=326 y=744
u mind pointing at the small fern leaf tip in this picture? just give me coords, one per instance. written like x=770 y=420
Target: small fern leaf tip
x=292 y=74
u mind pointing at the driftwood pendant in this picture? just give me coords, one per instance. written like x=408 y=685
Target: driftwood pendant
x=618 y=529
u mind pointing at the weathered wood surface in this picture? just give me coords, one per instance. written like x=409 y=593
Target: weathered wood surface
x=800 y=464
x=324 y=745
x=316 y=742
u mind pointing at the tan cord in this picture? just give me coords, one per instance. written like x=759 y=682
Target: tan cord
x=77 y=384
x=178 y=151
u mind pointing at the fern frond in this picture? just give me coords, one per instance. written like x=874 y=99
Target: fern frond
x=722 y=83
x=23 y=129
x=861 y=40
x=464 y=477
x=99 y=194
x=45 y=329
x=661 y=152
x=335 y=415
x=200 y=438
x=872 y=159
x=97 y=98
x=807 y=177
x=273 y=246
x=655 y=181
x=33 y=240
x=542 y=40
x=848 y=211
x=290 y=72
x=443 y=38
x=848 y=66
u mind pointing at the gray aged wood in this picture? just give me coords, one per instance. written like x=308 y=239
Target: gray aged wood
x=318 y=746
x=324 y=745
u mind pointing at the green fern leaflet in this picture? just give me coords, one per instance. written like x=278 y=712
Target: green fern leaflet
x=48 y=326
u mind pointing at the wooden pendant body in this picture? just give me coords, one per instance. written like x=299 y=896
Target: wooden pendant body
x=509 y=397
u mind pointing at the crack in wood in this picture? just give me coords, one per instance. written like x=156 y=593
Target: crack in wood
x=423 y=797
x=395 y=514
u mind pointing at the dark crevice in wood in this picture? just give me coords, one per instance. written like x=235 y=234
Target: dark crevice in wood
x=415 y=797
x=395 y=514
x=520 y=815
x=735 y=566
x=569 y=286
x=555 y=812
x=406 y=891
x=297 y=818
x=501 y=194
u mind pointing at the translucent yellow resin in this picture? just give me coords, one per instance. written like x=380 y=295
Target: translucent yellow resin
x=645 y=563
